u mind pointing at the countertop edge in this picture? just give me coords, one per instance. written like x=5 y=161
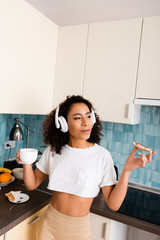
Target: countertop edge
x=19 y=220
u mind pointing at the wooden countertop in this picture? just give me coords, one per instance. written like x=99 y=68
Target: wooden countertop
x=9 y=219
x=39 y=199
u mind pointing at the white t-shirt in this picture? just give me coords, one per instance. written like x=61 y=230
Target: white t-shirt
x=78 y=171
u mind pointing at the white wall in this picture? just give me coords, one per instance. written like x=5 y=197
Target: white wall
x=28 y=45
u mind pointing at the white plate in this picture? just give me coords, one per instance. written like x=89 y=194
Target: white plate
x=21 y=199
x=5 y=184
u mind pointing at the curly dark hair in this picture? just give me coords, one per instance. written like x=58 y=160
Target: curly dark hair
x=55 y=137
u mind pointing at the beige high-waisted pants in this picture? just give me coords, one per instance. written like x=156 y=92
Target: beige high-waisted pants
x=54 y=225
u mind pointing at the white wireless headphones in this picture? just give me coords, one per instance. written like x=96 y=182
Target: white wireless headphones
x=93 y=117
x=61 y=122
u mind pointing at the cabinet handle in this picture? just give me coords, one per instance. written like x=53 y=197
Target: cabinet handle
x=128 y=110
x=105 y=231
x=5 y=236
x=33 y=220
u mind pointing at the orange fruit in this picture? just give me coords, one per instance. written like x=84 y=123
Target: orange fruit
x=5 y=177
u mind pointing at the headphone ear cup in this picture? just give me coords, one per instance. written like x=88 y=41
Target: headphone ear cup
x=63 y=124
x=93 y=117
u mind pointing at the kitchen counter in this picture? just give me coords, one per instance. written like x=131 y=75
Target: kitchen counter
x=9 y=219
x=41 y=197
x=100 y=207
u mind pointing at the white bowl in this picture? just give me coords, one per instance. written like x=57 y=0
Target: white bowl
x=18 y=173
x=28 y=155
x=5 y=184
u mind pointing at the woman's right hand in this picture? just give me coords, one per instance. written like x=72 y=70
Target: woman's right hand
x=18 y=160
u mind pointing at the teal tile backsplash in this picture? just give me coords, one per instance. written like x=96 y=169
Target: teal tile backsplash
x=6 y=123
x=117 y=139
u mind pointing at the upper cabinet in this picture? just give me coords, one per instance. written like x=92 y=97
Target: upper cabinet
x=148 y=82
x=111 y=69
x=70 y=65
x=28 y=47
x=42 y=63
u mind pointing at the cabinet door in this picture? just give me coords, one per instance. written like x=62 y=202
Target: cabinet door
x=28 y=47
x=100 y=227
x=1 y=237
x=118 y=231
x=25 y=230
x=148 y=83
x=70 y=65
x=138 y=234
x=111 y=68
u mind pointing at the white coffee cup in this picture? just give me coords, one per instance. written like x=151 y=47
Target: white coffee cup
x=28 y=155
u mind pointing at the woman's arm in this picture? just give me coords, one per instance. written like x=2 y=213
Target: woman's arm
x=32 y=179
x=114 y=195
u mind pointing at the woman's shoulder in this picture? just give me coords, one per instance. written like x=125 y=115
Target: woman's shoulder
x=102 y=149
x=48 y=152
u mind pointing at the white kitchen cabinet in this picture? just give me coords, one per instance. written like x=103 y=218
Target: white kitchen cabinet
x=148 y=82
x=26 y=230
x=1 y=237
x=100 y=227
x=111 y=69
x=138 y=234
x=70 y=65
x=28 y=47
x=118 y=231
x=106 y=229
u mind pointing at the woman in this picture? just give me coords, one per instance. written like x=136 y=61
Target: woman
x=77 y=168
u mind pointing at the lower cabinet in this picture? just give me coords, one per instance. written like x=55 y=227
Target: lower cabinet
x=118 y=231
x=106 y=229
x=138 y=234
x=100 y=227
x=26 y=230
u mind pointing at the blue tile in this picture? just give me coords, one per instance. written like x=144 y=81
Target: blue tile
x=150 y=129
x=128 y=128
x=108 y=125
x=118 y=127
x=126 y=148
x=108 y=135
x=116 y=146
x=156 y=177
x=158 y=131
x=117 y=136
x=155 y=184
x=138 y=128
x=156 y=165
x=116 y=157
x=146 y=109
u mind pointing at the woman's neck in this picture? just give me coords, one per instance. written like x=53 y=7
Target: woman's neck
x=79 y=144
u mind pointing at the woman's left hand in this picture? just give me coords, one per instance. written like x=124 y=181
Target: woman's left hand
x=134 y=162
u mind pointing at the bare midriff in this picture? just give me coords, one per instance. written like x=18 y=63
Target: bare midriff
x=71 y=205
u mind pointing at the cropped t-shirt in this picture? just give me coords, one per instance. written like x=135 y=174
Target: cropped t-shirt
x=78 y=171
